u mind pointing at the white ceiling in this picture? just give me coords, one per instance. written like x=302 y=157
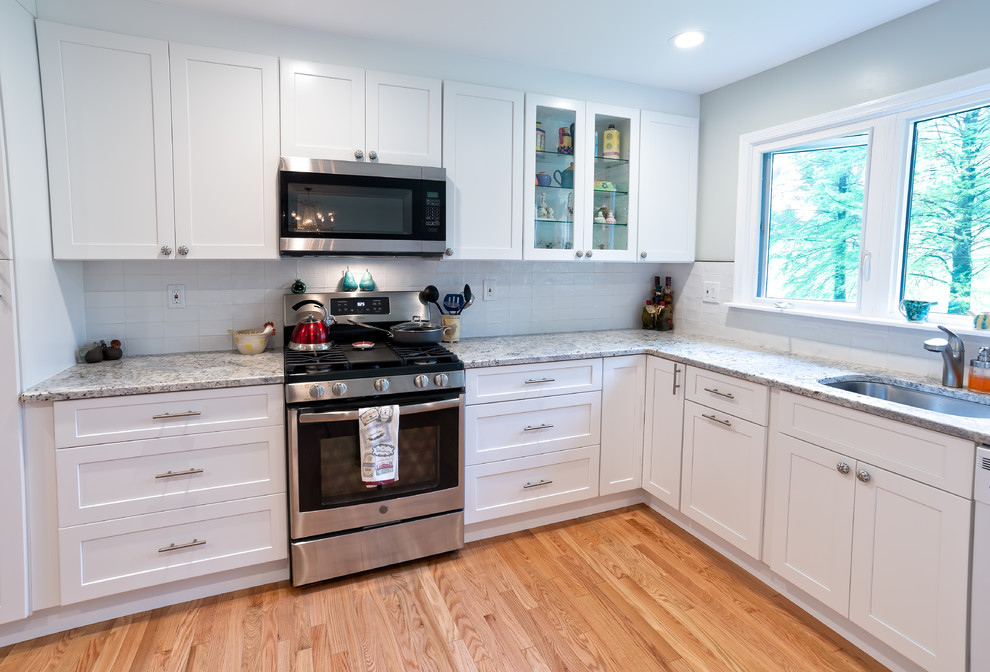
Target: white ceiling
x=621 y=39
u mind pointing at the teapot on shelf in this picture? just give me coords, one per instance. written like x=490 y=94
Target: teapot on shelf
x=565 y=177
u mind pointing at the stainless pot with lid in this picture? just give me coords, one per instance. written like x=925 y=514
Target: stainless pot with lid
x=416 y=332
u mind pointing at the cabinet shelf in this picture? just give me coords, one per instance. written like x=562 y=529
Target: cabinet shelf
x=610 y=163
x=552 y=156
x=611 y=191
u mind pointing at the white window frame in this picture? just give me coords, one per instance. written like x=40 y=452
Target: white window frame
x=888 y=124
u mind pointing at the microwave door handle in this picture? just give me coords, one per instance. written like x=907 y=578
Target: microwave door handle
x=339 y=416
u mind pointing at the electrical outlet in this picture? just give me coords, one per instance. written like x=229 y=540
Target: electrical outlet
x=176 y=296
x=491 y=290
x=710 y=292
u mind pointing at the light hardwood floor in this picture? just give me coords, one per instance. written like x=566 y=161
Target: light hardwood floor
x=624 y=590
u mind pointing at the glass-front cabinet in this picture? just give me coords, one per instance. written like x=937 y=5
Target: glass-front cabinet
x=612 y=194
x=581 y=174
x=554 y=174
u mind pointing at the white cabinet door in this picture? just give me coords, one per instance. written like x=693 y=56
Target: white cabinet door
x=322 y=110
x=107 y=125
x=722 y=475
x=662 y=430
x=13 y=577
x=403 y=115
x=668 y=193
x=910 y=567
x=610 y=150
x=623 y=399
x=225 y=138
x=483 y=156
x=811 y=528
x=553 y=212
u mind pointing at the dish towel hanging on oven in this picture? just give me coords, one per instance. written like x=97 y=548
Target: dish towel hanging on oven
x=378 y=427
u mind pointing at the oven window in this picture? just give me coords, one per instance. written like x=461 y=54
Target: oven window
x=344 y=210
x=330 y=469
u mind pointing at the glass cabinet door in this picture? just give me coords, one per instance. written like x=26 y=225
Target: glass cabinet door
x=554 y=178
x=612 y=195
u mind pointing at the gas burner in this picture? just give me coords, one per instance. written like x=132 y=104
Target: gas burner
x=421 y=362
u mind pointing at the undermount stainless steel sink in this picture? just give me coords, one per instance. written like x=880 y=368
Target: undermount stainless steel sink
x=909 y=396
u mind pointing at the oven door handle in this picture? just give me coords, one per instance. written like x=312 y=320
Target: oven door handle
x=338 y=416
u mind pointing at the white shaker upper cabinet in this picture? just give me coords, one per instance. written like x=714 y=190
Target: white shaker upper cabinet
x=483 y=156
x=322 y=110
x=342 y=113
x=225 y=138
x=108 y=131
x=668 y=187
x=404 y=115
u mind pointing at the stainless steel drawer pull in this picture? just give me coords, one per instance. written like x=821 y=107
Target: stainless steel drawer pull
x=715 y=390
x=188 y=544
x=533 y=428
x=180 y=414
x=534 y=381
x=676 y=384
x=539 y=482
x=718 y=420
x=187 y=472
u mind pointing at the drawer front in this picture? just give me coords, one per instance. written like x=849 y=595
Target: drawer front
x=136 y=477
x=735 y=396
x=527 y=484
x=526 y=381
x=115 y=556
x=945 y=462
x=512 y=429
x=82 y=422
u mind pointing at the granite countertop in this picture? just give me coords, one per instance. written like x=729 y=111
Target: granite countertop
x=203 y=370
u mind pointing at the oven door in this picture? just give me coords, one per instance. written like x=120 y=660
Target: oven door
x=325 y=488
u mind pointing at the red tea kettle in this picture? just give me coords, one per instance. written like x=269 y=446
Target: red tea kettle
x=311 y=333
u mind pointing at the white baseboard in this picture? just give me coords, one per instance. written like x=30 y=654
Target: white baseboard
x=57 y=619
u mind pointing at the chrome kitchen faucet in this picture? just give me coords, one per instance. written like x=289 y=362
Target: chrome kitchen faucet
x=953 y=356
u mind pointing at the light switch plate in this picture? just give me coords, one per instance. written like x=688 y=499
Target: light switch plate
x=710 y=294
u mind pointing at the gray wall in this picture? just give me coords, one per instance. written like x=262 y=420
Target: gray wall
x=936 y=43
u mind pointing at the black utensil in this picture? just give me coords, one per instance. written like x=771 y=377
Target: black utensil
x=431 y=295
x=468 y=298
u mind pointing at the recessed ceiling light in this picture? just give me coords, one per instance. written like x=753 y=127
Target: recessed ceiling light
x=688 y=39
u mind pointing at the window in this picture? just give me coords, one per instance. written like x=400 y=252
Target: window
x=812 y=221
x=848 y=213
x=947 y=250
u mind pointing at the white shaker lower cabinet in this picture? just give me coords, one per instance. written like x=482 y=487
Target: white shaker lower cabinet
x=537 y=446
x=724 y=457
x=163 y=487
x=623 y=399
x=663 y=429
x=888 y=552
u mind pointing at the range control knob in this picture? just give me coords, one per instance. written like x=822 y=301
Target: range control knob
x=441 y=379
x=317 y=391
x=421 y=381
x=381 y=384
x=339 y=389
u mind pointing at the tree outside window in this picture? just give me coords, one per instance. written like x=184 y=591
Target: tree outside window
x=813 y=221
x=947 y=249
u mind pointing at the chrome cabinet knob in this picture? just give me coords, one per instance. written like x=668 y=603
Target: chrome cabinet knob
x=842 y=468
x=166 y=250
x=317 y=391
x=441 y=379
x=863 y=475
x=339 y=389
x=358 y=154
x=588 y=254
x=449 y=252
x=421 y=381
x=642 y=255
x=381 y=384
x=373 y=155
x=578 y=253
x=183 y=250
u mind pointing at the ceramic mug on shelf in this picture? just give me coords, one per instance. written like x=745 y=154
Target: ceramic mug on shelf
x=543 y=179
x=915 y=311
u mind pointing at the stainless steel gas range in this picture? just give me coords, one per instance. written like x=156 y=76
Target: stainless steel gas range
x=338 y=524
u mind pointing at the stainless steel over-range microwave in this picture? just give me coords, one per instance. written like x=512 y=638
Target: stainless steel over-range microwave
x=361 y=209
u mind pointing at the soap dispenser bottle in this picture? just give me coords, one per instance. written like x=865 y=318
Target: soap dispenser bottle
x=979 y=371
